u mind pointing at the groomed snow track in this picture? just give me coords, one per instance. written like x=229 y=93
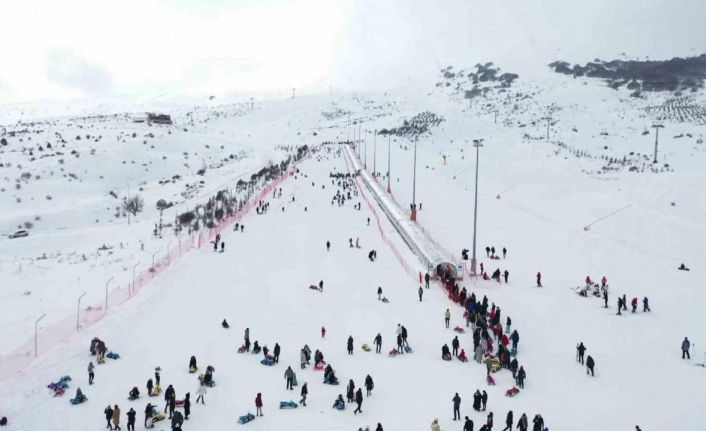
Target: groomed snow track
x=426 y=249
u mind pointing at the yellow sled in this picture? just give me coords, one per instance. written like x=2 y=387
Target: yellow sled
x=192 y=370
x=156 y=391
x=366 y=347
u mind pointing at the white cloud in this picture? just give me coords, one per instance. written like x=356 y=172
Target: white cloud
x=71 y=71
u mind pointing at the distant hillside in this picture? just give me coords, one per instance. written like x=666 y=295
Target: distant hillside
x=677 y=74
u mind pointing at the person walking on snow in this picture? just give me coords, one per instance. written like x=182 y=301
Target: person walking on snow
x=484 y=399
x=447 y=317
x=378 y=343
x=523 y=423
x=108 y=411
x=276 y=353
x=427 y=277
x=168 y=396
x=645 y=305
x=323 y=332
x=379 y=293
x=289 y=376
x=468 y=425
x=539 y=279
x=131 y=419
x=246 y=339
x=521 y=374
x=504 y=252
x=201 y=393
x=633 y=304
x=457 y=406
x=589 y=365
x=580 y=350
x=509 y=420
x=421 y=292
x=454 y=346
x=685 y=348
x=91 y=375
x=328 y=246
x=350 y=344
x=359 y=401
x=506 y=274
x=368 y=385
x=116 y=418
x=304 y=393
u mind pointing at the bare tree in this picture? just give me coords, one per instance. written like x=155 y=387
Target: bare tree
x=134 y=205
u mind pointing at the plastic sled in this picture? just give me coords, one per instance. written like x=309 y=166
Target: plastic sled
x=241 y=349
x=288 y=405
x=512 y=392
x=178 y=403
x=313 y=287
x=113 y=355
x=319 y=366
x=246 y=418
x=77 y=400
x=385 y=300
x=156 y=391
x=490 y=380
x=100 y=359
x=295 y=382
x=267 y=361
x=393 y=353
x=408 y=349
x=340 y=406
x=58 y=391
x=446 y=357
x=460 y=330
x=333 y=381
x=158 y=416
x=192 y=370
x=462 y=359
x=131 y=398
x=365 y=348
x=256 y=351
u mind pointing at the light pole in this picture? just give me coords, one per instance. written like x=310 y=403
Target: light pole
x=132 y=288
x=388 y=162
x=414 y=183
x=78 y=309
x=36 y=323
x=365 y=148
x=477 y=143
x=375 y=136
x=656 y=127
x=106 y=293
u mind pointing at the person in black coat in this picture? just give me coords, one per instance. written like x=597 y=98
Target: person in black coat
x=379 y=427
x=477 y=400
x=172 y=406
x=538 y=422
x=350 y=391
x=521 y=375
x=484 y=399
x=359 y=401
x=580 y=350
x=508 y=421
x=368 y=385
x=457 y=406
x=350 y=345
x=468 y=425
x=589 y=365
x=109 y=416
x=378 y=343
x=131 y=419
x=168 y=395
x=276 y=353
x=187 y=405
x=454 y=345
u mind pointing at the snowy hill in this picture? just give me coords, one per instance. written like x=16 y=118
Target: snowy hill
x=586 y=201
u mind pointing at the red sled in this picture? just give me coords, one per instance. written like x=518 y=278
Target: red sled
x=459 y=330
x=462 y=358
x=179 y=403
x=512 y=392
x=241 y=349
x=319 y=366
x=393 y=353
x=490 y=380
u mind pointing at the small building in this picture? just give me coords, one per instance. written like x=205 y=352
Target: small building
x=159 y=118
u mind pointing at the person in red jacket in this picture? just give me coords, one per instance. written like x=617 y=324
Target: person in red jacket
x=539 y=279
x=258 y=404
x=604 y=281
x=634 y=304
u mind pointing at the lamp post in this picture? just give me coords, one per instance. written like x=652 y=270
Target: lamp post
x=388 y=162
x=656 y=127
x=36 y=323
x=477 y=143
x=132 y=287
x=106 y=293
x=414 y=183
x=78 y=310
x=375 y=136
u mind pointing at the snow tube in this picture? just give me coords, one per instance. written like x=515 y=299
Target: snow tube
x=319 y=366
x=339 y=405
x=246 y=418
x=288 y=404
x=490 y=380
x=113 y=355
x=267 y=361
x=192 y=370
x=408 y=349
x=385 y=300
x=365 y=348
x=78 y=400
x=446 y=357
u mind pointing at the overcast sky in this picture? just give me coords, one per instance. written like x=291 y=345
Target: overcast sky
x=59 y=49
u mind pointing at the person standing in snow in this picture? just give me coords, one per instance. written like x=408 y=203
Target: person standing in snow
x=538 y=422
x=304 y=393
x=131 y=419
x=580 y=350
x=91 y=375
x=489 y=421
x=457 y=406
x=487 y=251
x=187 y=406
x=685 y=345
x=404 y=336
x=468 y=425
x=379 y=293
x=258 y=404
x=605 y=298
x=246 y=339
x=506 y=274
x=359 y=401
x=378 y=343
x=523 y=423
x=454 y=346
x=421 y=292
x=589 y=365
x=289 y=376
x=368 y=385
x=108 y=411
x=276 y=353
x=509 y=420
x=168 y=397
x=116 y=418
x=539 y=279
x=350 y=345
x=447 y=317
x=515 y=338
x=645 y=305
x=620 y=305
x=328 y=246
x=350 y=391
x=201 y=393
x=484 y=399
x=427 y=277
x=477 y=400
x=633 y=304
x=323 y=332
x=504 y=252
x=521 y=374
